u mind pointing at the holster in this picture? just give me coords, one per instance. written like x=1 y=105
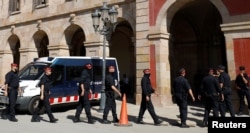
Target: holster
x=46 y=92
x=110 y=94
x=11 y=88
x=226 y=90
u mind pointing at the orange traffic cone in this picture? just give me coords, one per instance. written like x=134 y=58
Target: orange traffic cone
x=123 y=115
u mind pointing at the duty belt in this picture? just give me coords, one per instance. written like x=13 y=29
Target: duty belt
x=10 y=88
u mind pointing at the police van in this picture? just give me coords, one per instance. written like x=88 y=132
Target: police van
x=66 y=73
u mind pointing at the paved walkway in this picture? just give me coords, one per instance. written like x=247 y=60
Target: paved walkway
x=168 y=114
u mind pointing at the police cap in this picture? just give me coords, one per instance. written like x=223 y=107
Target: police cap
x=111 y=67
x=47 y=68
x=210 y=69
x=146 y=70
x=88 y=65
x=221 y=67
x=182 y=70
x=242 y=68
x=14 y=65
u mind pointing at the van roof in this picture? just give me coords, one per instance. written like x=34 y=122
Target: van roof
x=51 y=59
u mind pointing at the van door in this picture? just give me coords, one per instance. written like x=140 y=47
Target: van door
x=72 y=80
x=97 y=76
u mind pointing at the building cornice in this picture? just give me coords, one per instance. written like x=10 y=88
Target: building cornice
x=232 y=27
x=156 y=36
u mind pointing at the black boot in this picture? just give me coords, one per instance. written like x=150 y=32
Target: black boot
x=140 y=121
x=115 y=120
x=158 y=123
x=76 y=119
x=105 y=120
x=35 y=119
x=91 y=121
x=13 y=119
x=184 y=125
x=52 y=119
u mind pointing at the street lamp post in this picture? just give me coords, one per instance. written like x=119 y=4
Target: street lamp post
x=108 y=17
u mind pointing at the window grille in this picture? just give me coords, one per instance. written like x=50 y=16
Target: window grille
x=40 y=3
x=14 y=6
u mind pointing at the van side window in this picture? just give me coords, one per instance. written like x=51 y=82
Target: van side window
x=57 y=73
x=31 y=72
x=73 y=73
x=97 y=69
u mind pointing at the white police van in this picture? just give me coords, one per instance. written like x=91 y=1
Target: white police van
x=66 y=72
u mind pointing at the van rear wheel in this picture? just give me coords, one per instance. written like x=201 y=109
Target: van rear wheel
x=33 y=104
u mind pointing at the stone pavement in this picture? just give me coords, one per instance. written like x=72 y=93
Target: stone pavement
x=168 y=114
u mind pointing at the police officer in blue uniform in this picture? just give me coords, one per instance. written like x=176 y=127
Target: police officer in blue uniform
x=46 y=83
x=242 y=86
x=146 y=102
x=11 y=90
x=110 y=90
x=182 y=88
x=84 y=91
x=225 y=85
x=212 y=94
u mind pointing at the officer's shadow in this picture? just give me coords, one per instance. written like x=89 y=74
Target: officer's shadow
x=166 y=121
x=176 y=122
x=83 y=119
x=42 y=119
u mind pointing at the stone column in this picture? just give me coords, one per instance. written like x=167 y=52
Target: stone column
x=96 y=49
x=58 y=50
x=162 y=65
x=6 y=58
x=27 y=55
x=234 y=31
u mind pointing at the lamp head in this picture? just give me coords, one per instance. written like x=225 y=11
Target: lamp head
x=96 y=19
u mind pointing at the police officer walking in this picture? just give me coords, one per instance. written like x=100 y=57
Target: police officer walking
x=84 y=91
x=181 y=90
x=146 y=102
x=225 y=85
x=242 y=86
x=11 y=90
x=110 y=90
x=45 y=86
x=211 y=92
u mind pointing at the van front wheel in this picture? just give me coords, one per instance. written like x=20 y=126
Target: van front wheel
x=33 y=104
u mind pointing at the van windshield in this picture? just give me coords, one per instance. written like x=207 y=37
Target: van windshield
x=31 y=71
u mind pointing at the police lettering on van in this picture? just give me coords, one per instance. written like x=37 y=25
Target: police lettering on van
x=66 y=75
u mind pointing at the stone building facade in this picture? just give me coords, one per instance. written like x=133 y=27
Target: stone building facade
x=163 y=35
